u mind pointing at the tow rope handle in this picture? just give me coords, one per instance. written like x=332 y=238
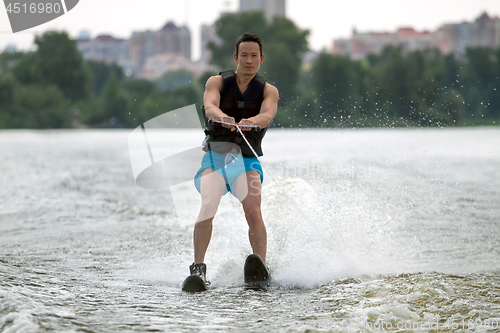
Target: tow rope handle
x=254 y=127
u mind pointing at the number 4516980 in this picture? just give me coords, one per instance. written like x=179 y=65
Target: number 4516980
x=34 y=8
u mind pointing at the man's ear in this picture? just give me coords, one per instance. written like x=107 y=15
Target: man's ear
x=235 y=57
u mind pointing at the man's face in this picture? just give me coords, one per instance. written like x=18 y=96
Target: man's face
x=248 y=58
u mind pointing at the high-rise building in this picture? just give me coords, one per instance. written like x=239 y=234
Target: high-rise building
x=169 y=40
x=132 y=54
x=484 y=31
x=103 y=48
x=270 y=8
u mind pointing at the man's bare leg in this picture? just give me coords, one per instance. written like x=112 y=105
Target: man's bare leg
x=248 y=191
x=212 y=187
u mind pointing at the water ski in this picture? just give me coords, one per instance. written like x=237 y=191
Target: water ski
x=256 y=273
x=193 y=284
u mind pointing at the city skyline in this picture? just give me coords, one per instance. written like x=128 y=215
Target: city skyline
x=452 y=38
x=151 y=54
x=326 y=22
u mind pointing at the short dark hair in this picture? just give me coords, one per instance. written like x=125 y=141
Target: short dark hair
x=248 y=37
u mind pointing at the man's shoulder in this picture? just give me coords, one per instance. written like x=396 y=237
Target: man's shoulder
x=269 y=88
x=214 y=81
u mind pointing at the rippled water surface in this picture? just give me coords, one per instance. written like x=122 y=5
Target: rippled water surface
x=369 y=230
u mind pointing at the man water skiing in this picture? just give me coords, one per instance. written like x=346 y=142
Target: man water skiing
x=242 y=98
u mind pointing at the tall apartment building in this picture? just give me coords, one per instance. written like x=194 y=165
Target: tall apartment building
x=484 y=31
x=104 y=48
x=270 y=8
x=168 y=40
x=449 y=38
x=132 y=54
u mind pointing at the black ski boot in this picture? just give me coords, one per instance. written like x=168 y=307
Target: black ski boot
x=199 y=269
x=197 y=281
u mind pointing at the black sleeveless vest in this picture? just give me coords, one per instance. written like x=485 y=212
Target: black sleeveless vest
x=239 y=106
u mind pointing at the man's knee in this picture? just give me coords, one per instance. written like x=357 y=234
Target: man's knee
x=208 y=208
x=209 y=203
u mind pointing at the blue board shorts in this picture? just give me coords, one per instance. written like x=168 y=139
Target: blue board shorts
x=230 y=166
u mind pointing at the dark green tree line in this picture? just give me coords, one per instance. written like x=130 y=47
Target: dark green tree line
x=399 y=88
x=54 y=87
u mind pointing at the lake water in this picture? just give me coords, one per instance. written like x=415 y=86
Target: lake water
x=370 y=230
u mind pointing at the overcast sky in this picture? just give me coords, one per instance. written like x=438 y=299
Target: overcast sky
x=327 y=20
